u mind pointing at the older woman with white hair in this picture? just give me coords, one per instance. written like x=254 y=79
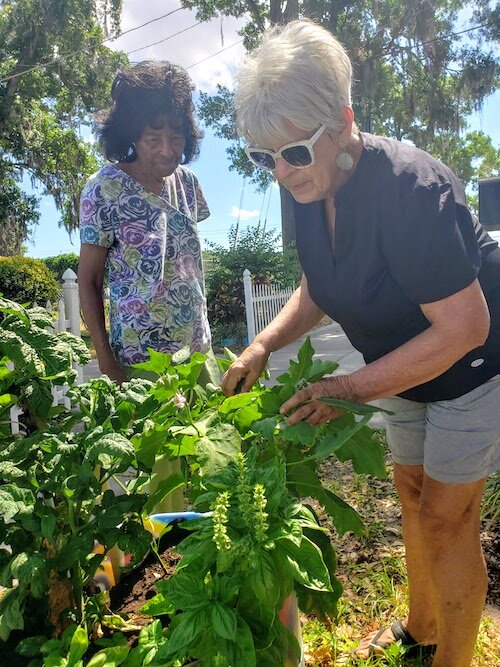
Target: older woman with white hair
x=390 y=250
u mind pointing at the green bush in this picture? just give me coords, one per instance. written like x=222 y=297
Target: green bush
x=27 y=280
x=59 y=263
x=257 y=251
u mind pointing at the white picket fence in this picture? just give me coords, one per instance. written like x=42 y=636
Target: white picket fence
x=68 y=319
x=262 y=303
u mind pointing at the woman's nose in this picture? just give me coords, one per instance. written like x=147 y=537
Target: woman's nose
x=165 y=146
x=282 y=169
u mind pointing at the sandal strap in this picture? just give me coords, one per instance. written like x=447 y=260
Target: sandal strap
x=401 y=633
x=375 y=643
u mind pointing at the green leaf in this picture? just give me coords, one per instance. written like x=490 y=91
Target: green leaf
x=158 y=362
x=151 y=634
x=224 y=621
x=109 y=657
x=190 y=625
x=78 y=646
x=30 y=646
x=266 y=427
x=38 y=396
x=26 y=361
x=164 y=489
x=263 y=578
x=319 y=369
x=305 y=357
x=306 y=563
x=365 y=452
x=344 y=517
x=15 y=501
x=307 y=483
x=237 y=402
x=336 y=435
x=301 y=432
x=11 y=616
x=48 y=525
x=218 y=448
x=109 y=448
x=184 y=591
x=12 y=308
x=157 y=606
x=7 y=401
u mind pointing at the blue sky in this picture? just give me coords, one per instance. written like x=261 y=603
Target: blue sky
x=223 y=188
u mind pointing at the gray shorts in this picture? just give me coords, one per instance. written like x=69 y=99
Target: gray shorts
x=457 y=441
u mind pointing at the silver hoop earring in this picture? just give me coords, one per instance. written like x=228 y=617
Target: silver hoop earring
x=345 y=161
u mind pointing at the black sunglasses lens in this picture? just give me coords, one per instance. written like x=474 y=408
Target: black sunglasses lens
x=297 y=156
x=263 y=160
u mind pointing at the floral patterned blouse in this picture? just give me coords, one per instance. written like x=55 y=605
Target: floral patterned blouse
x=154 y=266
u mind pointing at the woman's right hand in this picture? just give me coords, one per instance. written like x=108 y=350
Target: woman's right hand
x=247 y=367
x=114 y=370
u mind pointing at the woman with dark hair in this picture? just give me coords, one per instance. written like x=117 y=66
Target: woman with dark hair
x=138 y=218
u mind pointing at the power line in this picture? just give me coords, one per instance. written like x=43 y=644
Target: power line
x=141 y=48
x=74 y=53
x=214 y=54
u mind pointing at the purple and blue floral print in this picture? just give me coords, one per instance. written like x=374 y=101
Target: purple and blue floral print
x=154 y=265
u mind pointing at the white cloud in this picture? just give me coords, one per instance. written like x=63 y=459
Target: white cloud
x=242 y=214
x=198 y=43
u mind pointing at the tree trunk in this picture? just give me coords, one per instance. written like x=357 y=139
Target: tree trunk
x=277 y=15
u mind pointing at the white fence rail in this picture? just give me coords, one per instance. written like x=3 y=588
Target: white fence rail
x=68 y=319
x=262 y=303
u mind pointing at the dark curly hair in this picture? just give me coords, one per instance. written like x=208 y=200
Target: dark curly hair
x=140 y=95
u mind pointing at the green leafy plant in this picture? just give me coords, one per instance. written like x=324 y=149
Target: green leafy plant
x=27 y=280
x=56 y=504
x=59 y=263
x=261 y=544
x=33 y=360
x=241 y=461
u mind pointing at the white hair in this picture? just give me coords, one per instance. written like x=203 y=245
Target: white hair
x=300 y=72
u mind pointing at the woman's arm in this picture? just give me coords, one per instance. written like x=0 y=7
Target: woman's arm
x=90 y=283
x=459 y=324
x=297 y=316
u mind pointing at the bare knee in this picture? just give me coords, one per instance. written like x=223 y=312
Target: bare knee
x=450 y=511
x=408 y=481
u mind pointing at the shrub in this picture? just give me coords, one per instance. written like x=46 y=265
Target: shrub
x=59 y=263
x=255 y=250
x=27 y=280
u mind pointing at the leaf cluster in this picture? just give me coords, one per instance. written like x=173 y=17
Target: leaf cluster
x=34 y=360
x=56 y=71
x=249 y=468
x=242 y=563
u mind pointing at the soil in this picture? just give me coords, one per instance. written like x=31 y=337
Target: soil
x=138 y=586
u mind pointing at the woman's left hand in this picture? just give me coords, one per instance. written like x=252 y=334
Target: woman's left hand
x=305 y=405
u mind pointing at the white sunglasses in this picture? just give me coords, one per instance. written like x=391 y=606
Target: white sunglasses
x=299 y=154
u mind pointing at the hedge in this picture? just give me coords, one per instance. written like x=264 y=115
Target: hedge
x=27 y=280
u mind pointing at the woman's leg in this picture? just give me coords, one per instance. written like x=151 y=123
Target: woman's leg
x=447 y=577
x=450 y=527
x=421 y=622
